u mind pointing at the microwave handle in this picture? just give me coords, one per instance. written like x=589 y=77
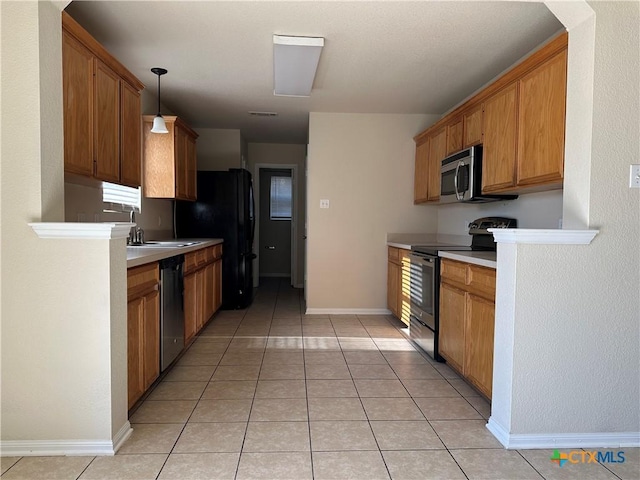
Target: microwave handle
x=455 y=180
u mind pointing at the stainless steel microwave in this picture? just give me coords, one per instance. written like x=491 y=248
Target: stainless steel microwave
x=461 y=178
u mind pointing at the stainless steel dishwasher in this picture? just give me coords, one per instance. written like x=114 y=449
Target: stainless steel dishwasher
x=171 y=309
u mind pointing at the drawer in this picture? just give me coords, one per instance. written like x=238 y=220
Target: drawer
x=190 y=261
x=201 y=256
x=394 y=254
x=142 y=279
x=217 y=251
x=455 y=272
x=209 y=254
x=482 y=281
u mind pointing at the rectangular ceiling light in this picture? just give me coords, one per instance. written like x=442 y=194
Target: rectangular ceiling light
x=295 y=60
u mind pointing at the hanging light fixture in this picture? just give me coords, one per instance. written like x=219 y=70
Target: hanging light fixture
x=158 y=123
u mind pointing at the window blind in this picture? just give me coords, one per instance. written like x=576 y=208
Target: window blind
x=280 y=207
x=118 y=198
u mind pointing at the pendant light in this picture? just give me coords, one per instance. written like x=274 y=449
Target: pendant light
x=158 y=123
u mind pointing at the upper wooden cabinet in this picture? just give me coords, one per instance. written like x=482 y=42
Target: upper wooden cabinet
x=169 y=160
x=421 y=175
x=519 y=119
x=101 y=104
x=499 y=149
x=541 y=119
x=437 y=151
x=472 y=127
x=454 y=136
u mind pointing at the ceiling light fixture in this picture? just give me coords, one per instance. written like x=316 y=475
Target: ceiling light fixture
x=295 y=60
x=158 y=123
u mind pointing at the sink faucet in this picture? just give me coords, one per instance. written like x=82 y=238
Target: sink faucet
x=136 y=234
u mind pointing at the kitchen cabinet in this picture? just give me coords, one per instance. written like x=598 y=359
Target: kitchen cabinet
x=520 y=121
x=143 y=329
x=467 y=312
x=499 y=150
x=541 y=119
x=421 y=173
x=169 y=160
x=101 y=110
x=393 y=280
x=398 y=283
x=202 y=288
x=437 y=152
x=472 y=127
x=454 y=136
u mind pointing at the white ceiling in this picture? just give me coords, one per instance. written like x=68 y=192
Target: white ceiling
x=379 y=57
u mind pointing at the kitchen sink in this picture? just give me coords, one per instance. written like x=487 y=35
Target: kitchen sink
x=166 y=244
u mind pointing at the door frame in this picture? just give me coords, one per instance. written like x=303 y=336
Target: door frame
x=295 y=281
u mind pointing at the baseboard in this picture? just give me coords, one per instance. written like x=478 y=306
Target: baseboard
x=564 y=440
x=347 y=311
x=45 y=448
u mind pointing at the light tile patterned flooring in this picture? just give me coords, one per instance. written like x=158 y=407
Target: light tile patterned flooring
x=268 y=393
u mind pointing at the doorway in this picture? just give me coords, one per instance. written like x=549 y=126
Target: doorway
x=276 y=214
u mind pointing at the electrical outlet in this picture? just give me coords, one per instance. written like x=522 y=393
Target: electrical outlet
x=634 y=176
x=324 y=203
x=96 y=217
x=81 y=217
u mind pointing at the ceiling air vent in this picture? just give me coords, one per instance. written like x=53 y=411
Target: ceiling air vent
x=263 y=114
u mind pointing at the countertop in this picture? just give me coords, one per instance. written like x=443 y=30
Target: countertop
x=484 y=259
x=140 y=255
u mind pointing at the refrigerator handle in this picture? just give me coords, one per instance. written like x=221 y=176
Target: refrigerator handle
x=253 y=209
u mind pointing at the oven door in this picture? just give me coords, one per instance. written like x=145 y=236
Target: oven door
x=422 y=281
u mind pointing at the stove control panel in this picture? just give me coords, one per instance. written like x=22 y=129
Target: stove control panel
x=481 y=225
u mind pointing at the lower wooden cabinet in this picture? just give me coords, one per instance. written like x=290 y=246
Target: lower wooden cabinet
x=467 y=311
x=398 y=283
x=202 y=288
x=143 y=329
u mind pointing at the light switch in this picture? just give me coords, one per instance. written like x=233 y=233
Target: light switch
x=324 y=203
x=634 y=176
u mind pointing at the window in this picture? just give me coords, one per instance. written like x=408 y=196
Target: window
x=118 y=198
x=280 y=205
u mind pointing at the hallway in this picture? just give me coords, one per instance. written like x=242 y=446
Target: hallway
x=269 y=393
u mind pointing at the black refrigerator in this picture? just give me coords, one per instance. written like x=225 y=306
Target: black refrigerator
x=224 y=209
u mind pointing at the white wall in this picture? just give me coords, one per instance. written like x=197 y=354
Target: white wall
x=287 y=154
x=363 y=164
x=572 y=366
x=534 y=210
x=63 y=355
x=219 y=149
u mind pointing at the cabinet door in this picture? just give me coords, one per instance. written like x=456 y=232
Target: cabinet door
x=393 y=276
x=191 y=168
x=130 y=136
x=202 y=294
x=454 y=137
x=209 y=291
x=106 y=123
x=472 y=127
x=499 y=151
x=181 y=163
x=541 y=122
x=421 y=173
x=452 y=319
x=190 y=306
x=135 y=358
x=77 y=84
x=437 y=152
x=151 y=338
x=404 y=301
x=217 y=302
x=478 y=357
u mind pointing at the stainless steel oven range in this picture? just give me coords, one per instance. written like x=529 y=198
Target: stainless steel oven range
x=424 y=280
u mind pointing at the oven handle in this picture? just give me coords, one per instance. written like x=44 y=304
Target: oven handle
x=419 y=259
x=455 y=180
